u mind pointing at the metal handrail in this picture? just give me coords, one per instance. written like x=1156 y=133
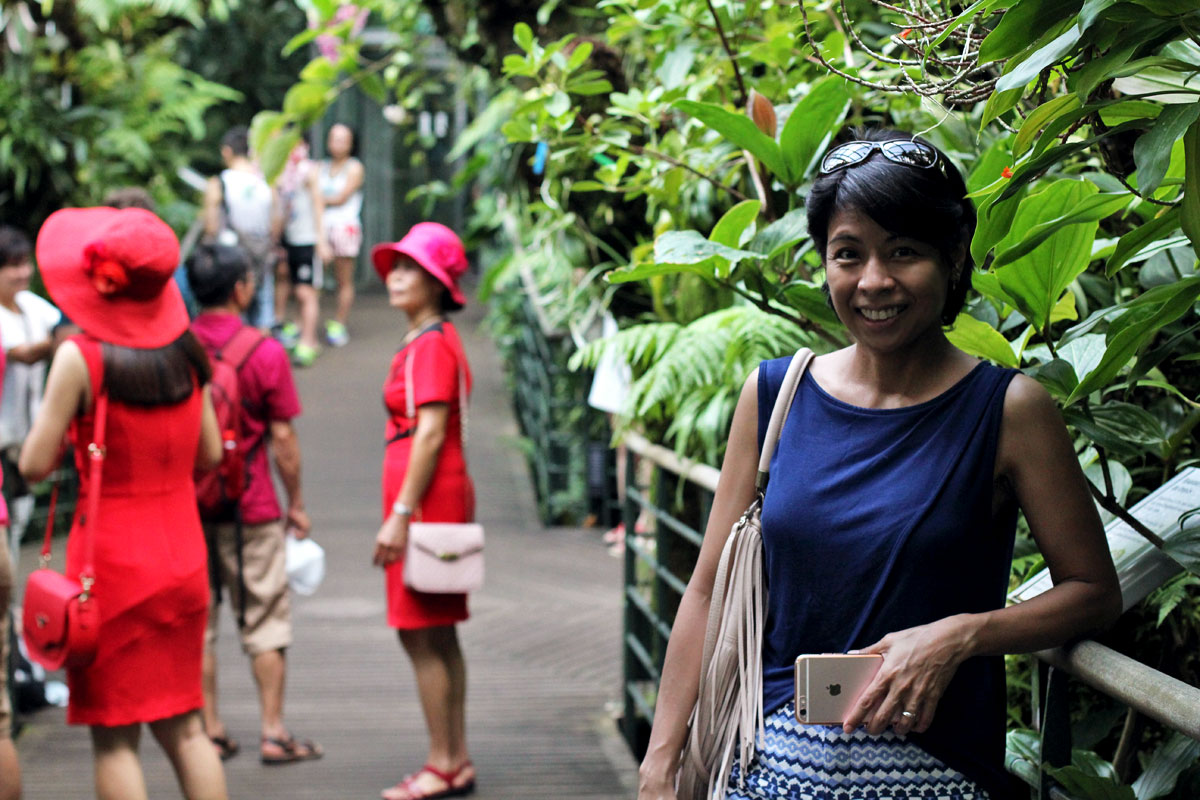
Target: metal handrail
x=1157 y=695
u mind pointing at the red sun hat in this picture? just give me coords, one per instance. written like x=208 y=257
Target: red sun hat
x=432 y=245
x=110 y=270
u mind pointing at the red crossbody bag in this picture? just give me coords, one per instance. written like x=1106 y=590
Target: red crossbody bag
x=61 y=620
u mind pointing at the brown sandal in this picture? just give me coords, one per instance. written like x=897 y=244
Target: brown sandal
x=292 y=750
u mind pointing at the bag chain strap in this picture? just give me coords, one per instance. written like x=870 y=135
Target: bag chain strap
x=96 y=455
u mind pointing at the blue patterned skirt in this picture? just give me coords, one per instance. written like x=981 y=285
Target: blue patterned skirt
x=821 y=762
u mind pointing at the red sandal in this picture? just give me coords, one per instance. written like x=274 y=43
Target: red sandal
x=407 y=788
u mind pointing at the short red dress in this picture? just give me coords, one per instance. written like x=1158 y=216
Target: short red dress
x=150 y=562
x=437 y=358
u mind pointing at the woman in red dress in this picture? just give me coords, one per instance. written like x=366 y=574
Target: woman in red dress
x=425 y=476
x=110 y=271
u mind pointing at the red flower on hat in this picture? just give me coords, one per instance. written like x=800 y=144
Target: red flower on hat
x=108 y=275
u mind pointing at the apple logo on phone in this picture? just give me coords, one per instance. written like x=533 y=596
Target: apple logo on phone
x=834 y=689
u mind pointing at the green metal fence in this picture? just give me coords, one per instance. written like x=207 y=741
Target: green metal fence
x=564 y=439
x=659 y=563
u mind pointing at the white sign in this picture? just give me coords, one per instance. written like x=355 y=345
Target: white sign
x=1141 y=566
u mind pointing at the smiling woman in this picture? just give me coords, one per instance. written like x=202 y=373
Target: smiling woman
x=888 y=522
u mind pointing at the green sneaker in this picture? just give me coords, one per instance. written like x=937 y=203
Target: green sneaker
x=288 y=335
x=304 y=356
x=336 y=334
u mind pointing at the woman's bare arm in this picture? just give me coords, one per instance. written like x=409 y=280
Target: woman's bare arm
x=67 y=391
x=680 y=680
x=208 y=453
x=423 y=456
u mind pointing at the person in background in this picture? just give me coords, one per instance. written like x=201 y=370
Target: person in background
x=110 y=270
x=130 y=197
x=306 y=247
x=10 y=768
x=425 y=476
x=241 y=208
x=27 y=323
x=341 y=180
x=256 y=578
x=889 y=518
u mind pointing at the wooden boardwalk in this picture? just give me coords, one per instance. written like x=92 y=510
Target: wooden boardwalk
x=542 y=646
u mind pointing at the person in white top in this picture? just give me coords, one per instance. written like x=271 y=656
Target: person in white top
x=241 y=208
x=341 y=179
x=307 y=248
x=27 y=325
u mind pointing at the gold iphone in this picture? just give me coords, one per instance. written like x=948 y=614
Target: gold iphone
x=827 y=685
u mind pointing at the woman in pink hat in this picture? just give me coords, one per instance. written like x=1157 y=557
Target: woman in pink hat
x=110 y=271
x=425 y=477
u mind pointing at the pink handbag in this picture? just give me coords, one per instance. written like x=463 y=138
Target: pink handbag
x=443 y=557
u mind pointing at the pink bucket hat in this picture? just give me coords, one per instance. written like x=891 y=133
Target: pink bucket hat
x=432 y=245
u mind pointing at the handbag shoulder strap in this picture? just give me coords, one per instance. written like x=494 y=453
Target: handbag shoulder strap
x=779 y=413
x=96 y=455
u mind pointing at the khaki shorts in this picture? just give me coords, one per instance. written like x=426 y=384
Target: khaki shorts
x=6 y=593
x=264 y=571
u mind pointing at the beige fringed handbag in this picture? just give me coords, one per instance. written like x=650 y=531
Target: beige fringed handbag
x=728 y=716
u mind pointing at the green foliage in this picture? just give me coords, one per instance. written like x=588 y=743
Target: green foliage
x=95 y=100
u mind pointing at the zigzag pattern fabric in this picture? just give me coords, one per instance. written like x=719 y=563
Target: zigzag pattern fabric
x=821 y=762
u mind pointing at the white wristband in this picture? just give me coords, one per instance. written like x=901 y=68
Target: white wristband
x=401 y=509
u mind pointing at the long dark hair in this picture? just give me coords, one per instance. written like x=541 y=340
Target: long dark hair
x=929 y=205
x=159 y=376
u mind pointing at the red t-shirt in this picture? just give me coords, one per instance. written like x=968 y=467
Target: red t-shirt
x=268 y=395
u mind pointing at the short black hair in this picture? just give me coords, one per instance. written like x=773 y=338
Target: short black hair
x=237 y=139
x=213 y=270
x=929 y=205
x=14 y=246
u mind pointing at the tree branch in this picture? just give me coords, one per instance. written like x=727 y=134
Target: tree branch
x=638 y=150
x=1111 y=505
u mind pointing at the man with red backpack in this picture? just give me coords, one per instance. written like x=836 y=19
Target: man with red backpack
x=255 y=399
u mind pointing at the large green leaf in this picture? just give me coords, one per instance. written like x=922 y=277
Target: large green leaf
x=1135 y=324
x=980 y=339
x=733 y=224
x=1030 y=169
x=1152 y=151
x=781 y=234
x=813 y=121
x=1039 y=118
x=810 y=301
x=1037 y=279
x=741 y=131
x=1189 y=211
x=1091 y=209
x=1132 y=245
x=1172 y=757
x=994 y=223
x=1083 y=784
x=689 y=247
x=1024 y=22
x=1048 y=55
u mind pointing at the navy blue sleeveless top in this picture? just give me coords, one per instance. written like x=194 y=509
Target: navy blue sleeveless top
x=876 y=520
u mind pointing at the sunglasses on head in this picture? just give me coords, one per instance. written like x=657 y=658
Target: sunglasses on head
x=907 y=152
